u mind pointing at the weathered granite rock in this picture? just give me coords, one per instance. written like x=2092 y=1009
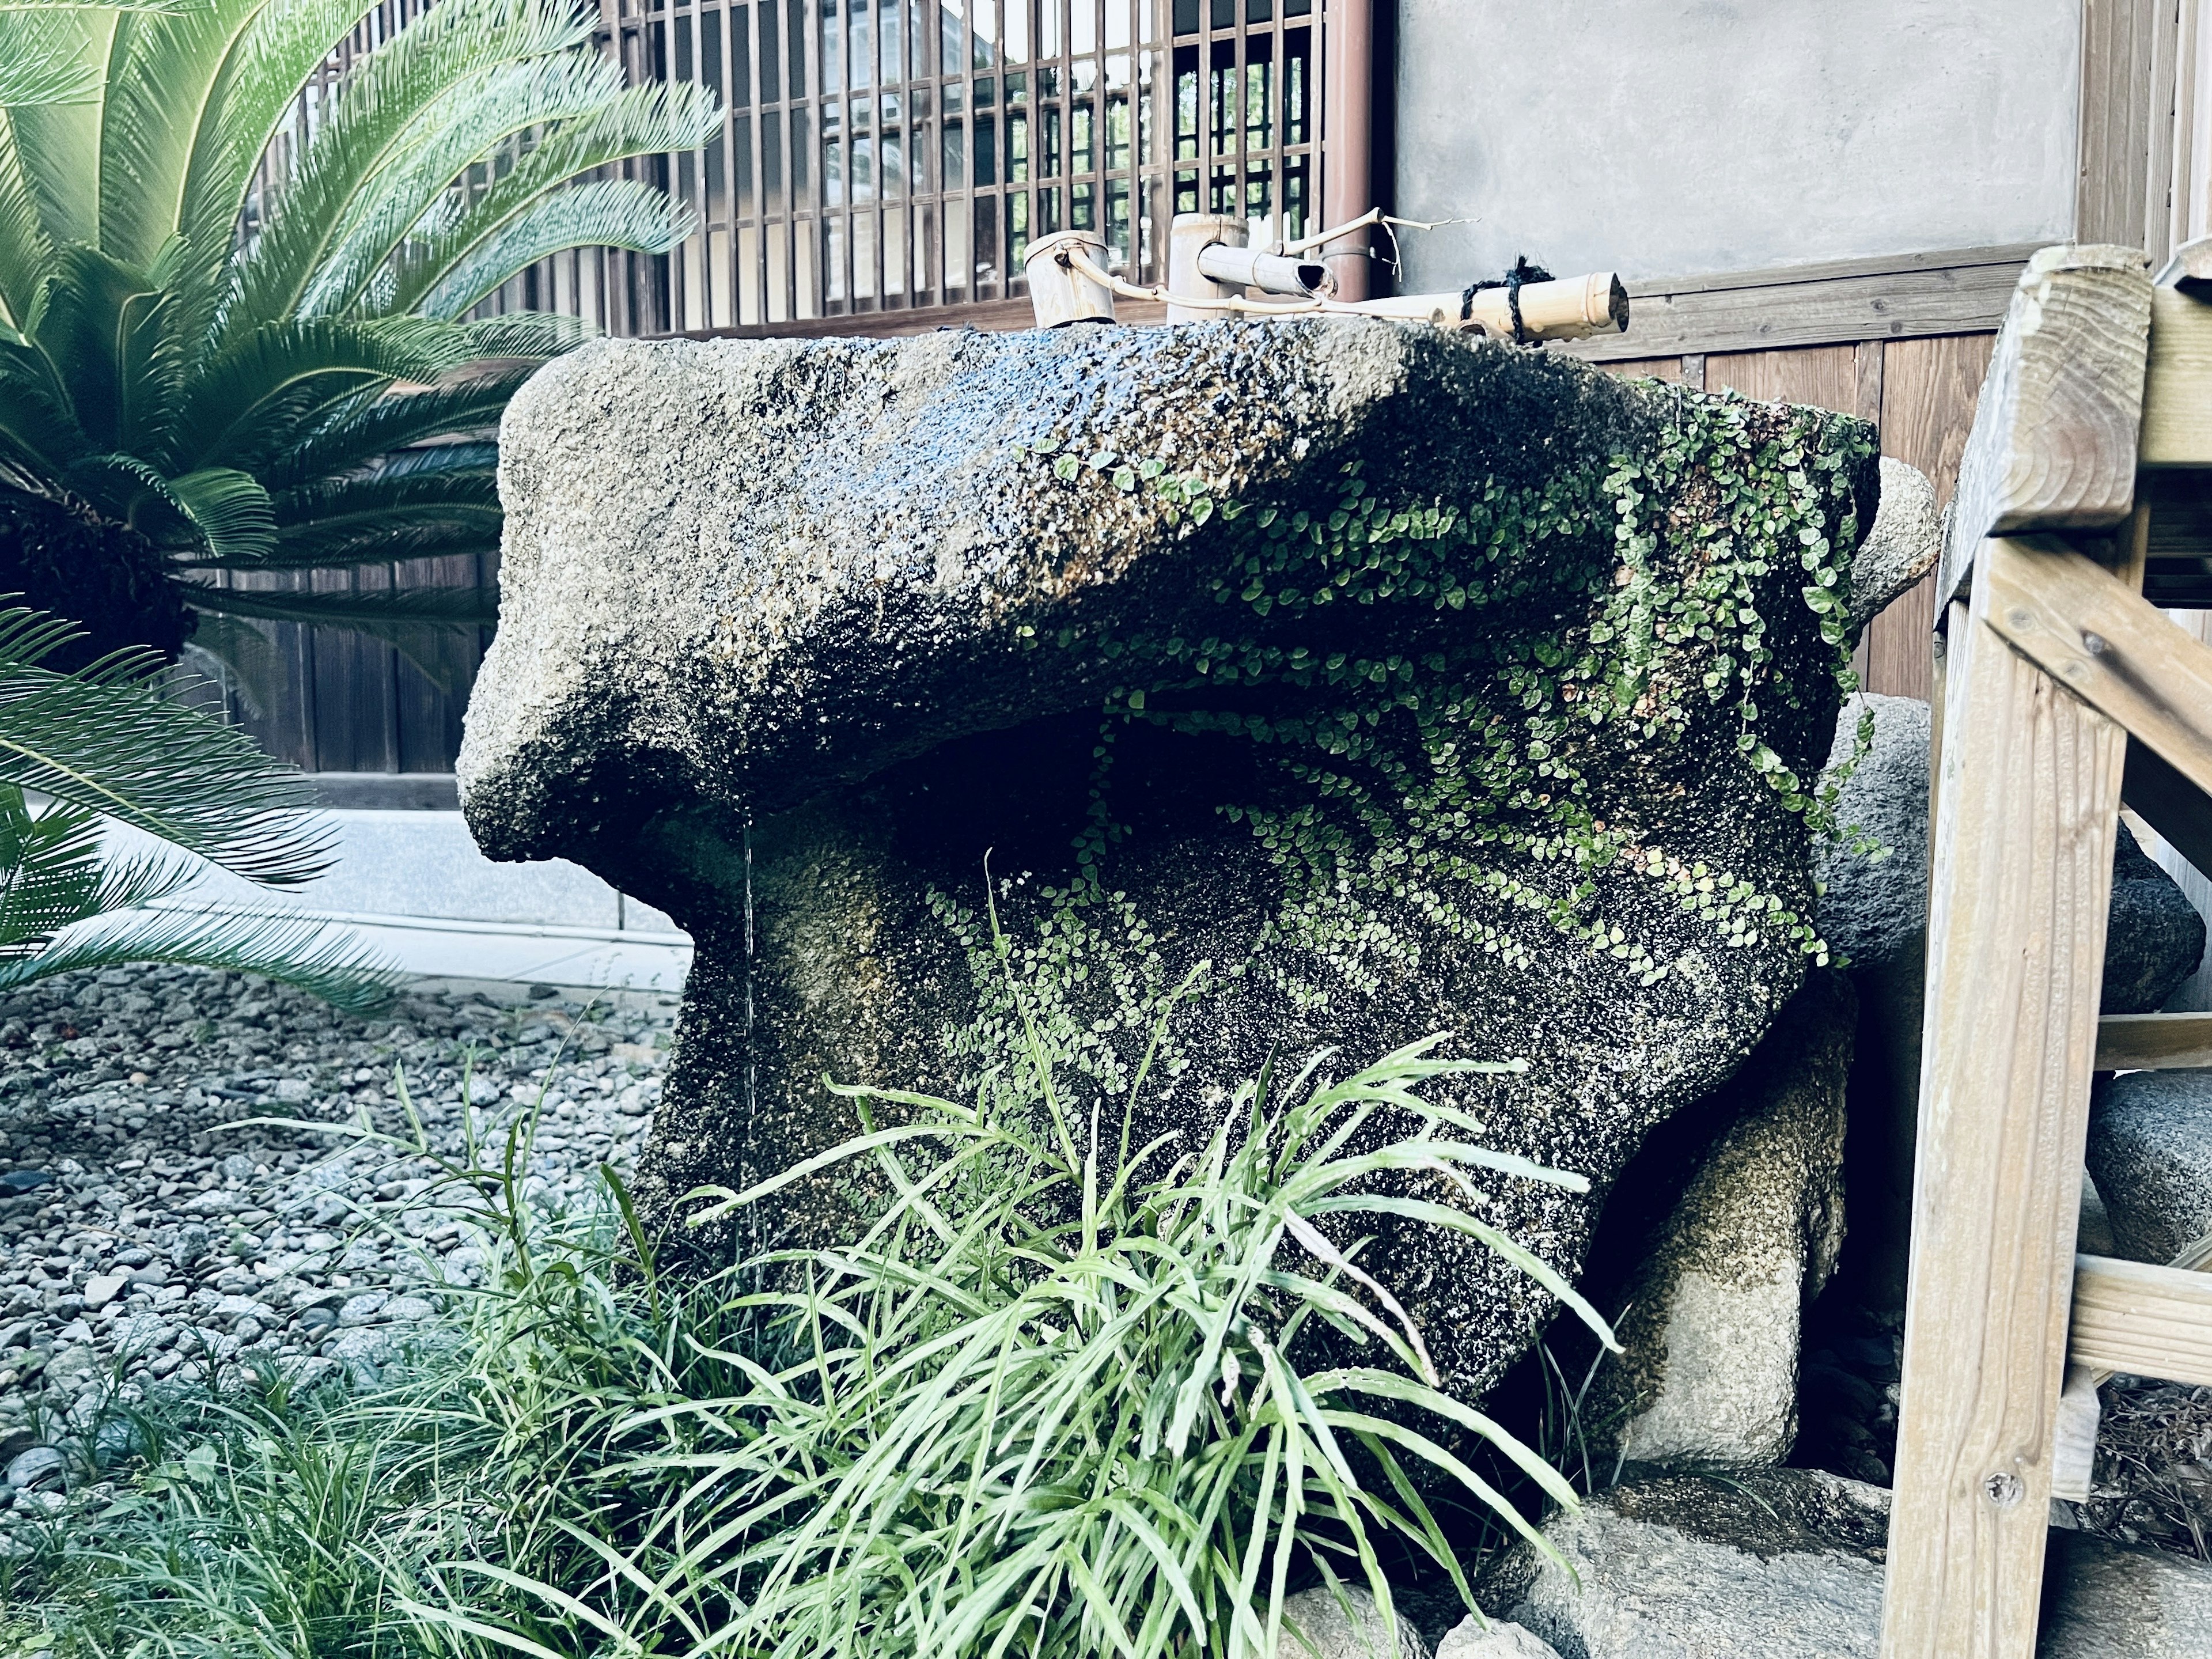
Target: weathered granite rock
x=1787 y=1563
x=2113 y=1603
x=2150 y=1154
x=1496 y=1638
x=1904 y=545
x=1316 y=1626
x=2154 y=940
x=1875 y=910
x=1413 y=683
x=1708 y=1377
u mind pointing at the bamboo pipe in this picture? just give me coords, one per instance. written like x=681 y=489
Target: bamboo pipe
x=1572 y=308
x=1190 y=234
x=1271 y=273
x=1569 y=309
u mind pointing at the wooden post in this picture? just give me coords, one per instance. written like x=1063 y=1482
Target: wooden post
x=2024 y=840
x=2025 y=814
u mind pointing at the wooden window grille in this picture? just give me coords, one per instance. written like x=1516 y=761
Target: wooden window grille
x=890 y=154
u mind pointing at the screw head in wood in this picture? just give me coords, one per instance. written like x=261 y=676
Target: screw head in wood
x=2005 y=1489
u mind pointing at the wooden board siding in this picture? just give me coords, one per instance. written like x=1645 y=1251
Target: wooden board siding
x=342 y=702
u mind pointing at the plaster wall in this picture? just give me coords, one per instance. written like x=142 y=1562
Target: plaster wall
x=1682 y=137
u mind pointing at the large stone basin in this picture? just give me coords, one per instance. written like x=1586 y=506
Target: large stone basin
x=1411 y=684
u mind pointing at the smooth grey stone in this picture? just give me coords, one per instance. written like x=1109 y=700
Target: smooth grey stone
x=1904 y=545
x=1498 y=1639
x=34 y=1467
x=1320 y=1619
x=1788 y=1563
x=1709 y=1375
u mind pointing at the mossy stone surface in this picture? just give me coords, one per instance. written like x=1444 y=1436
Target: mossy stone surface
x=1357 y=681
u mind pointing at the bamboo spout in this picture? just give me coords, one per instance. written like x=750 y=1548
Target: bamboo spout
x=1572 y=308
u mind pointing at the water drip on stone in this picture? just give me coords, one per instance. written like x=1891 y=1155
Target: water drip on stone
x=752 y=1066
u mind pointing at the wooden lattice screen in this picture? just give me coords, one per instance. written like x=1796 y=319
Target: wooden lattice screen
x=881 y=154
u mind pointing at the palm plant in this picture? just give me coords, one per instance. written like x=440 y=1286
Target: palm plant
x=79 y=750
x=205 y=366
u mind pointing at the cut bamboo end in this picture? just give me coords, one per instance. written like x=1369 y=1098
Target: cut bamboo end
x=1061 y=293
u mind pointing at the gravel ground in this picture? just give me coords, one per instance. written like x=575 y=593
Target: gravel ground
x=147 y=1232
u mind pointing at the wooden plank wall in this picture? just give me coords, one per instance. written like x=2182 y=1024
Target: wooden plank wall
x=1921 y=392
x=329 y=700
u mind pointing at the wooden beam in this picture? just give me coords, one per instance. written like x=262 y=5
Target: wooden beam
x=2149 y=1321
x=2023 y=840
x=2114 y=649
x=1962 y=291
x=2177 y=413
x=2154 y=1042
x=2053 y=446
x=2125 y=127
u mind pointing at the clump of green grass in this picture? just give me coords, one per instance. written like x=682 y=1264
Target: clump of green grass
x=1059 y=1398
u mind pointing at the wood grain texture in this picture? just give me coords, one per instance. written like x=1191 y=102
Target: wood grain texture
x=2053 y=443
x=1867 y=362
x=2112 y=648
x=1824 y=376
x=2154 y=1042
x=1816 y=305
x=2150 y=1322
x=1929 y=391
x=2026 y=820
x=2121 y=102
x=2177 y=413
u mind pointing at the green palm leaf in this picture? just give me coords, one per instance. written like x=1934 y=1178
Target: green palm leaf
x=378 y=119
x=609 y=213
x=43 y=60
x=378 y=423
x=303 y=950
x=240 y=363
x=105 y=741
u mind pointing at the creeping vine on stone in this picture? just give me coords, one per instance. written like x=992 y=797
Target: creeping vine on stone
x=1447 y=781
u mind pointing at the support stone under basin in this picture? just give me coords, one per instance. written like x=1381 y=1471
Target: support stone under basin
x=1413 y=683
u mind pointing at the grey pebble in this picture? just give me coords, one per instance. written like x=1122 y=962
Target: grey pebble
x=156 y=1231
x=31 y=1468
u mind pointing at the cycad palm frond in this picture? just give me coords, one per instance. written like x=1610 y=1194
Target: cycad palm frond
x=102 y=746
x=103 y=740
x=218 y=378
